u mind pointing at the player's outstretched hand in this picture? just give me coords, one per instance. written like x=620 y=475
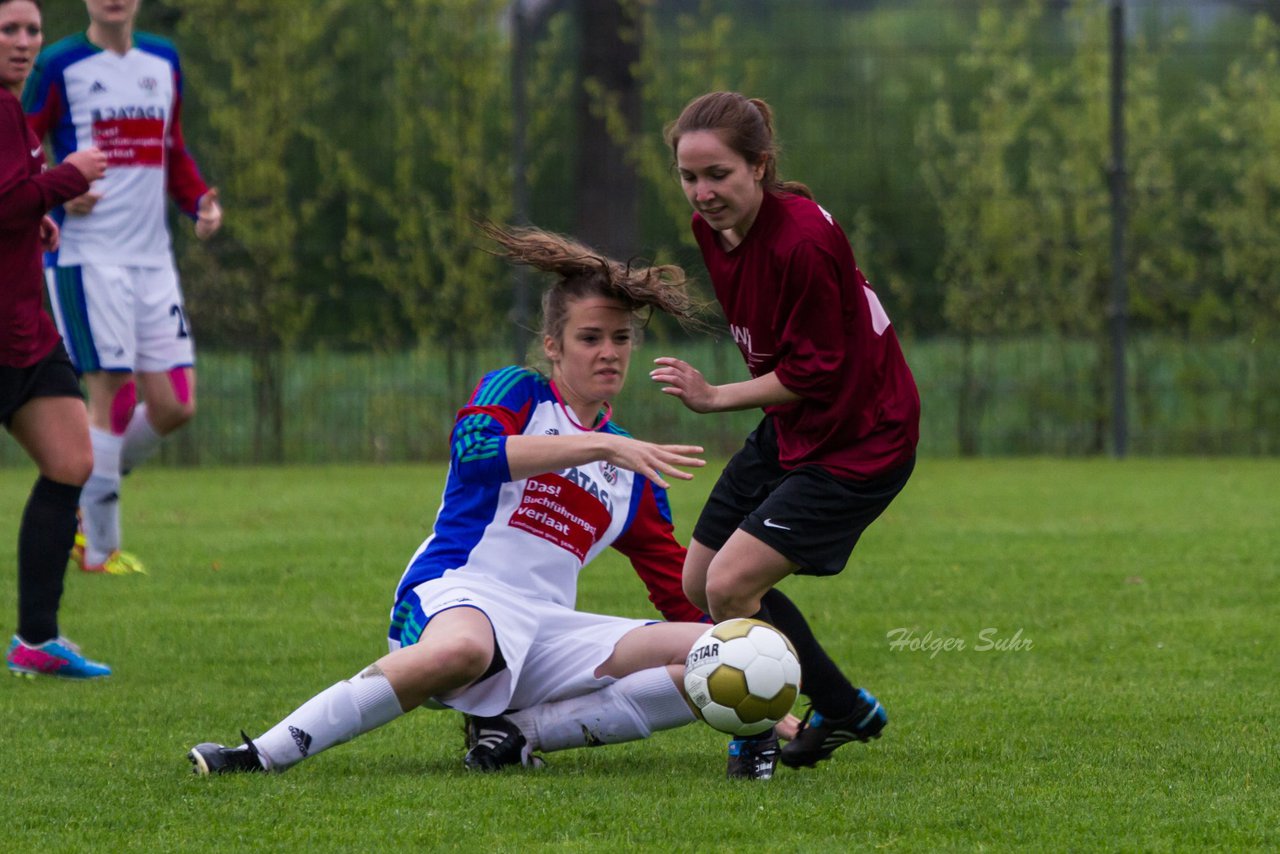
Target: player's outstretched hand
x=208 y=215
x=653 y=461
x=682 y=380
x=92 y=164
x=82 y=205
x=49 y=234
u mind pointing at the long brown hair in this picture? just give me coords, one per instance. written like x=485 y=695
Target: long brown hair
x=582 y=272
x=744 y=124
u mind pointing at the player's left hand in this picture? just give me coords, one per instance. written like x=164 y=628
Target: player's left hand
x=49 y=234
x=682 y=380
x=208 y=215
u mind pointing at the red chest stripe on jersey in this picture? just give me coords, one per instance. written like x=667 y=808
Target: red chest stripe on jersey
x=130 y=142
x=561 y=512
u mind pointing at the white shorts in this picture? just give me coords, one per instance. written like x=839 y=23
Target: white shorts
x=551 y=651
x=115 y=318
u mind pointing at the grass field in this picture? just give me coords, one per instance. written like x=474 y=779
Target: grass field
x=1131 y=708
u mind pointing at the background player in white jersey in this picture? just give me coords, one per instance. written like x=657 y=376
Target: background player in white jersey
x=541 y=481
x=112 y=284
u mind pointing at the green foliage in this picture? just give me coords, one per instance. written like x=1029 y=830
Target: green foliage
x=1146 y=590
x=682 y=58
x=414 y=197
x=974 y=163
x=1246 y=212
x=260 y=89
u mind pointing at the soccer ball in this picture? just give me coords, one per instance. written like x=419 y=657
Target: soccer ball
x=742 y=676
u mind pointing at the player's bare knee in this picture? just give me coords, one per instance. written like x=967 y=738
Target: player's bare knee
x=181 y=408
x=463 y=656
x=80 y=467
x=182 y=415
x=71 y=468
x=168 y=417
x=696 y=593
x=726 y=598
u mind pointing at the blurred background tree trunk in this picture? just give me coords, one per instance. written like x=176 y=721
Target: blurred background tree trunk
x=609 y=115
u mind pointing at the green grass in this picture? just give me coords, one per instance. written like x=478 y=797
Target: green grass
x=1141 y=718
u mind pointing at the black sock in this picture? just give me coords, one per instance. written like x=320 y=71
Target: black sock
x=44 y=543
x=829 y=691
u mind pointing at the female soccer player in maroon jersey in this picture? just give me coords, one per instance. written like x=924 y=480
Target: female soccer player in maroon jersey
x=40 y=400
x=838 y=438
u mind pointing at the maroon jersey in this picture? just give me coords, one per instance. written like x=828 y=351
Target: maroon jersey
x=27 y=193
x=799 y=307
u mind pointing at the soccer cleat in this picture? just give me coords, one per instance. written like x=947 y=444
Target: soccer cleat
x=209 y=758
x=819 y=737
x=753 y=758
x=497 y=744
x=117 y=563
x=58 y=657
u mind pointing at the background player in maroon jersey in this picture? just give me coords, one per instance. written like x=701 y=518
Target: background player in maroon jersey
x=40 y=400
x=841 y=422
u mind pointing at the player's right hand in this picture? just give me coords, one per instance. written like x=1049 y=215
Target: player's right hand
x=653 y=461
x=91 y=162
x=82 y=205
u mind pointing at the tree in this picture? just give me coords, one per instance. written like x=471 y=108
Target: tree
x=260 y=84
x=970 y=160
x=415 y=196
x=608 y=117
x=1245 y=215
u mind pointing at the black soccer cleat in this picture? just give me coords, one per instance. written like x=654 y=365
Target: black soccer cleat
x=753 y=758
x=819 y=737
x=209 y=758
x=497 y=743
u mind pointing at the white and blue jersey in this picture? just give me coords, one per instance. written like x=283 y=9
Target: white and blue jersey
x=534 y=535
x=130 y=107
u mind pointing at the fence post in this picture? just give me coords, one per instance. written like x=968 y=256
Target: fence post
x=1118 y=310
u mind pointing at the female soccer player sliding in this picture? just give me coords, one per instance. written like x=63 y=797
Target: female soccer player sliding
x=541 y=481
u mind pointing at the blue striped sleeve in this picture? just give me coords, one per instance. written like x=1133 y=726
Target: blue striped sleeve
x=499 y=407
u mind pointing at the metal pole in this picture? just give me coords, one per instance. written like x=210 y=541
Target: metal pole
x=1118 y=310
x=520 y=308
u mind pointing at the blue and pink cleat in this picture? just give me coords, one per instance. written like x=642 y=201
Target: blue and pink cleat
x=58 y=657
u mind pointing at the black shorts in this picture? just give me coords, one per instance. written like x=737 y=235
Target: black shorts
x=807 y=514
x=52 y=376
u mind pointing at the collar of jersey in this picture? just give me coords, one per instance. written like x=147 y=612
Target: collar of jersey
x=600 y=420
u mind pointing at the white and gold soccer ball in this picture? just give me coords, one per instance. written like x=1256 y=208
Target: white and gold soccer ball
x=742 y=676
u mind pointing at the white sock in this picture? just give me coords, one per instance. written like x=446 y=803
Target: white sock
x=627 y=710
x=335 y=715
x=100 y=498
x=141 y=441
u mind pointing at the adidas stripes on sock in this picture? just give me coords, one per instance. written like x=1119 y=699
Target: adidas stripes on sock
x=100 y=499
x=335 y=715
x=631 y=708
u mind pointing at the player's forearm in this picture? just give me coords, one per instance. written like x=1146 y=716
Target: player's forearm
x=531 y=455
x=766 y=390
